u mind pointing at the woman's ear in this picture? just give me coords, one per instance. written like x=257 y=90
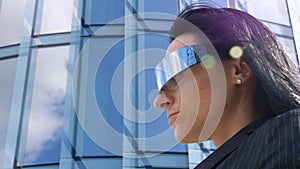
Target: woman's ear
x=243 y=72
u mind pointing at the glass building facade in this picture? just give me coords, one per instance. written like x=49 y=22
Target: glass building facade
x=77 y=81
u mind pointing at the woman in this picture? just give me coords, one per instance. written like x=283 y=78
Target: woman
x=226 y=78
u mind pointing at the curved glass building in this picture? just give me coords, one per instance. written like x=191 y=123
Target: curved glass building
x=77 y=83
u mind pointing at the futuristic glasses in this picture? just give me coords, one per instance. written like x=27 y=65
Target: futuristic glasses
x=178 y=61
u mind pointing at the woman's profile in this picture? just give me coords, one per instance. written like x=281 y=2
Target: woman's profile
x=226 y=78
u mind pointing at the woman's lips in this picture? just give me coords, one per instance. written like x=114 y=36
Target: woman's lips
x=172 y=118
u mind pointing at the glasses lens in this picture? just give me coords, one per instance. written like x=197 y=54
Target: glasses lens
x=176 y=62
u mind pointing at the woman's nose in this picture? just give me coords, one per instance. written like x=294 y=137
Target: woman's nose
x=162 y=101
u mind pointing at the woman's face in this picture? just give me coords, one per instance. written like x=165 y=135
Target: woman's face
x=187 y=104
x=186 y=98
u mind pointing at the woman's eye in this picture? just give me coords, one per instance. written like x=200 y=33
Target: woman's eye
x=170 y=85
x=174 y=82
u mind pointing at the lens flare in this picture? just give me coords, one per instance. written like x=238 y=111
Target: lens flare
x=208 y=61
x=236 y=52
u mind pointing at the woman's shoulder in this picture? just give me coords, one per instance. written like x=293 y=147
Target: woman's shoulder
x=276 y=144
x=289 y=119
x=279 y=129
x=292 y=113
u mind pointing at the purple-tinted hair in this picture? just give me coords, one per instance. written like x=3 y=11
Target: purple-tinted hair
x=272 y=66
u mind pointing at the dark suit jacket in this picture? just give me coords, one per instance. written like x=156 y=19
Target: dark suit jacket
x=264 y=144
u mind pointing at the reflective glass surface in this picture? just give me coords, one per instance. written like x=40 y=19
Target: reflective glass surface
x=11 y=21
x=99 y=61
x=7 y=79
x=56 y=16
x=176 y=62
x=42 y=139
x=277 y=10
x=166 y=6
x=278 y=13
x=102 y=12
x=277 y=19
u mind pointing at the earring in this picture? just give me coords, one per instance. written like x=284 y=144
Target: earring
x=238 y=81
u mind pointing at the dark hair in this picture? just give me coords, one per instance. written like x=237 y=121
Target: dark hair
x=273 y=68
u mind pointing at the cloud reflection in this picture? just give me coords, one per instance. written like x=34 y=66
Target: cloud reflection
x=47 y=107
x=45 y=122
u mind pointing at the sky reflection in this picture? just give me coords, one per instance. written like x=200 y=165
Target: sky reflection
x=47 y=107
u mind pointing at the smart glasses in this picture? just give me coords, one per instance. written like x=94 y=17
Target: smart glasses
x=178 y=61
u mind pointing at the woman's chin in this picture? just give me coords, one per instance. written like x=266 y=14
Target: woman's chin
x=185 y=139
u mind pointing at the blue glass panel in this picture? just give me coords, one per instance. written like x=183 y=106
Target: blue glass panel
x=7 y=78
x=103 y=89
x=104 y=11
x=40 y=143
x=101 y=79
x=165 y=6
x=157 y=41
x=88 y=148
